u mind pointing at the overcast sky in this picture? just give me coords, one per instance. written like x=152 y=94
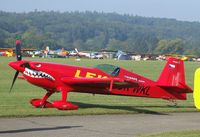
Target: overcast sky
x=187 y=10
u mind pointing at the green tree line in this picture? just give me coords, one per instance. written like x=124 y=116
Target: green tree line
x=96 y=31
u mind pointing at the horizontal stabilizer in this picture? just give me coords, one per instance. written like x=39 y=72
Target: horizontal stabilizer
x=182 y=89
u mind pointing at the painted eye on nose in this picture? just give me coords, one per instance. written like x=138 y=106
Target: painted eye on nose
x=38 y=65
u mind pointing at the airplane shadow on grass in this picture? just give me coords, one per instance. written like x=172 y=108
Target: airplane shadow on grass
x=137 y=109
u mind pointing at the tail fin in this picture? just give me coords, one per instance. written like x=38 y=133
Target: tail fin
x=76 y=50
x=172 y=79
x=172 y=74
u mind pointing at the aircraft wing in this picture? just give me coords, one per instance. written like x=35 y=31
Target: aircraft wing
x=73 y=80
x=98 y=82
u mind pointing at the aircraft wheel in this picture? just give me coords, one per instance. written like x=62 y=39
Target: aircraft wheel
x=39 y=103
x=62 y=105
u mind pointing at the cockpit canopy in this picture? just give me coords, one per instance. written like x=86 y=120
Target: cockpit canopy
x=109 y=69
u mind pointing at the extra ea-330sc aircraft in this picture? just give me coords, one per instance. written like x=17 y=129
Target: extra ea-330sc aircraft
x=102 y=79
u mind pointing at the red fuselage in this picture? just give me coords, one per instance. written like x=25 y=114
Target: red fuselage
x=49 y=76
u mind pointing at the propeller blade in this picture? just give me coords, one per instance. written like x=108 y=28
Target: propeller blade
x=18 y=50
x=14 y=79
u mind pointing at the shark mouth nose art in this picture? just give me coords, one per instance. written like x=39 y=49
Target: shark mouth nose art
x=37 y=74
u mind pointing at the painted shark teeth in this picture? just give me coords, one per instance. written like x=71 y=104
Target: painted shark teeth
x=37 y=74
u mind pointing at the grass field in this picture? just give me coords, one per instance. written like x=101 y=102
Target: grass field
x=17 y=103
x=194 y=133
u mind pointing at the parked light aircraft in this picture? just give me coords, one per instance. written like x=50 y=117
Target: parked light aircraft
x=102 y=79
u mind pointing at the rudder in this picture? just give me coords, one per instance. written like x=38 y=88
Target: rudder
x=172 y=74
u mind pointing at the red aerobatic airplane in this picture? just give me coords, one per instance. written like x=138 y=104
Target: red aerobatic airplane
x=102 y=79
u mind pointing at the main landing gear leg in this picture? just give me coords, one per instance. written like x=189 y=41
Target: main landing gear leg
x=63 y=104
x=43 y=102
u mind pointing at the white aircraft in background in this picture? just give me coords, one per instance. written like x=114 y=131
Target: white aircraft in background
x=82 y=54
